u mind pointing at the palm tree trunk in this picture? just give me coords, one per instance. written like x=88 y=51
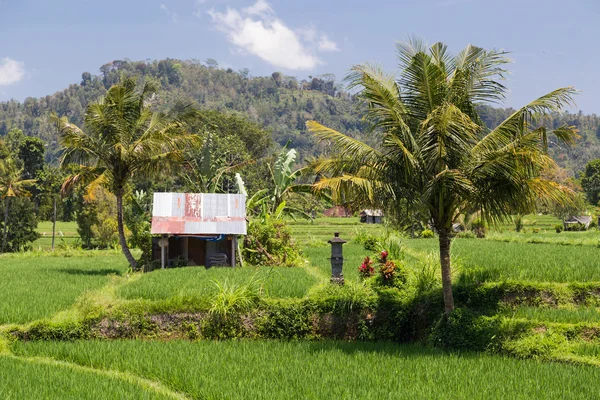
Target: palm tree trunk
x=121 y=229
x=444 y=238
x=4 y=237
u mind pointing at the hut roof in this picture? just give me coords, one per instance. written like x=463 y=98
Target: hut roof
x=199 y=214
x=583 y=220
x=372 y=213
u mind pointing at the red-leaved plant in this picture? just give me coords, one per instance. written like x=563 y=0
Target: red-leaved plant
x=366 y=269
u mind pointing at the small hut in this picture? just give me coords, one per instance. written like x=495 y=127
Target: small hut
x=581 y=223
x=371 y=216
x=197 y=228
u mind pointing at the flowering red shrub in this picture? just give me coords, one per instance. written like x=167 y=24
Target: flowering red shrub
x=366 y=269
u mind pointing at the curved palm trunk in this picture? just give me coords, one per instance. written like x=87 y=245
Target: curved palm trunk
x=121 y=230
x=4 y=236
x=444 y=238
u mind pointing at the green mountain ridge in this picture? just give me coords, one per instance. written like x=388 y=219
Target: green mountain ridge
x=279 y=103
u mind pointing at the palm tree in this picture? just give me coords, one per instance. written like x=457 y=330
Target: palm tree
x=11 y=185
x=123 y=138
x=434 y=152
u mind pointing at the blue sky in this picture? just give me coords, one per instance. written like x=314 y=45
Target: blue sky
x=46 y=45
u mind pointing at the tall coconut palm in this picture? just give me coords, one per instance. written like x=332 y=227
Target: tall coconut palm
x=433 y=149
x=122 y=138
x=11 y=185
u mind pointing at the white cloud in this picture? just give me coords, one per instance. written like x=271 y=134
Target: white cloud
x=325 y=44
x=11 y=71
x=173 y=15
x=257 y=30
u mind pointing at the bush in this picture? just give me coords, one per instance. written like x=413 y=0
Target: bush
x=465 y=330
x=427 y=234
x=466 y=235
x=518 y=223
x=390 y=273
x=366 y=269
x=593 y=224
x=21 y=226
x=270 y=243
x=479 y=229
x=371 y=243
x=558 y=228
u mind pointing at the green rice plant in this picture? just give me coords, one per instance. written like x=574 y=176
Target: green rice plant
x=427 y=274
x=196 y=283
x=543 y=262
x=392 y=243
x=38 y=285
x=286 y=370
x=571 y=314
x=50 y=380
x=233 y=298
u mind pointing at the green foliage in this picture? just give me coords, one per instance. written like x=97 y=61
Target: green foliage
x=427 y=276
x=231 y=298
x=590 y=182
x=86 y=217
x=466 y=235
x=391 y=273
x=21 y=226
x=465 y=330
x=285 y=320
x=427 y=234
x=518 y=220
x=479 y=228
x=137 y=216
x=31 y=153
x=558 y=228
x=371 y=243
x=270 y=243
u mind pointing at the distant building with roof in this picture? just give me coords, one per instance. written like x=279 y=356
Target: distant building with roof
x=369 y=216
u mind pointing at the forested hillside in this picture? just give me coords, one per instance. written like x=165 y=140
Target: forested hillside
x=279 y=103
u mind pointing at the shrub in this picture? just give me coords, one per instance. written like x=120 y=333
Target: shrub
x=466 y=235
x=427 y=234
x=366 y=269
x=21 y=226
x=270 y=243
x=518 y=223
x=558 y=228
x=390 y=274
x=371 y=243
x=478 y=227
x=392 y=243
x=465 y=330
x=426 y=277
x=593 y=224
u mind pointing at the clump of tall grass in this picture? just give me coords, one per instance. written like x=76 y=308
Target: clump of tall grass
x=234 y=298
x=428 y=274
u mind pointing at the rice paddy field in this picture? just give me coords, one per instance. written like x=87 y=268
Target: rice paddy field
x=43 y=285
x=321 y=370
x=38 y=285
